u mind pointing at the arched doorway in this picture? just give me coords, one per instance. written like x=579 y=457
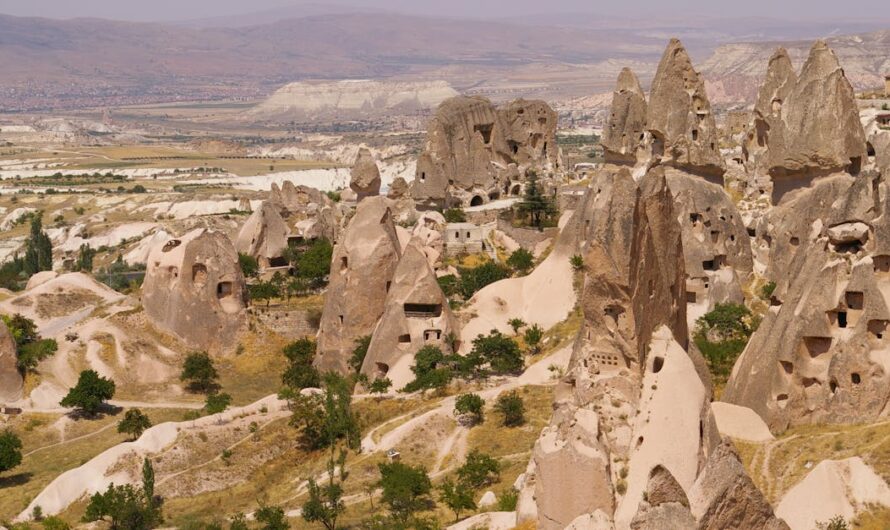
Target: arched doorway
x=477 y=200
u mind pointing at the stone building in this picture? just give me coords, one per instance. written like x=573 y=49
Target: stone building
x=464 y=238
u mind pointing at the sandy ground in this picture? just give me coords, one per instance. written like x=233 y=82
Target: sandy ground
x=544 y=297
x=740 y=423
x=834 y=487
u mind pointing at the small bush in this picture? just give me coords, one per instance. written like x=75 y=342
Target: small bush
x=455 y=215
x=767 y=290
x=577 y=262
x=511 y=406
x=521 y=261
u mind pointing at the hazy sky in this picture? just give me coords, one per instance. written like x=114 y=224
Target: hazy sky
x=191 y=9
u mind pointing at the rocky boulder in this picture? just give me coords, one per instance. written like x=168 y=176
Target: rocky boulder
x=10 y=378
x=194 y=290
x=778 y=84
x=264 y=235
x=365 y=176
x=362 y=268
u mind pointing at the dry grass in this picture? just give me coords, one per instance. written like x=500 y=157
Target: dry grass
x=37 y=470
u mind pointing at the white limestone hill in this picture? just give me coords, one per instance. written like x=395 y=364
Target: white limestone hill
x=350 y=99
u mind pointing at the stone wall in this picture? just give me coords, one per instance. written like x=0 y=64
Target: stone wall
x=528 y=238
x=289 y=323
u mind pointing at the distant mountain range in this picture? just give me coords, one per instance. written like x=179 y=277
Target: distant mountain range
x=47 y=63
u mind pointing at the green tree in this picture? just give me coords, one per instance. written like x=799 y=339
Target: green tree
x=406 y=490
x=457 y=496
x=278 y=281
x=577 y=262
x=455 y=215
x=359 y=352
x=85 y=258
x=521 y=261
x=38 y=248
x=54 y=523
x=125 y=507
x=272 y=518
x=721 y=335
x=516 y=324
x=534 y=205
x=326 y=417
x=250 y=267
x=533 y=336
x=339 y=426
x=200 y=373
x=381 y=385
x=315 y=263
x=217 y=402
x=300 y=373
x=10 y=451
x=263 y=291
x=431 y=370
x=474 y=279
x=499 y=351
x=90 y=393
x=471 y=405
x=31 y=348
x=479 y=470
x=511 y=406
x=134 y=423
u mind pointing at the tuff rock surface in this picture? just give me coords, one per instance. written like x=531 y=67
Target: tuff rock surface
x=365 y=176
x=363 y=264
x=416 y=314
x=194 y=289
x=624 y=133
x=475 y=152
x=679 y=117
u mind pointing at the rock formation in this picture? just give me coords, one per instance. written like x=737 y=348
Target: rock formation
x=10 y=378
x=684 y=133
x=475 y=152
x=416 y=314
x=716 y=246
x=818 y=355
x=724 y=496
x=365 y=177
x=625 y=131
x=362 y=268
x=398 y=188
x=194 y=289
x=820 y=132
x=264 y=235
x=633 y=254
x=780 y=81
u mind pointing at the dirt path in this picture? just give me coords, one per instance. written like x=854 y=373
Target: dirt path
x=72 y=440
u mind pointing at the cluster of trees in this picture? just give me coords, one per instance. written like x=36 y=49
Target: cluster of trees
x=309 y=271
x=31 y=348
x=90 y=393
x=494 y=354
x=722 y=334
x=38 y=257
x=201 y=377
x=121 y=276
x=126 y=507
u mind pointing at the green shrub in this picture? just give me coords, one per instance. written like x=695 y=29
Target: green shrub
x=455 y=215
x=511 y=406
x=767 y=290
x=521 y=261
x=475 y=278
